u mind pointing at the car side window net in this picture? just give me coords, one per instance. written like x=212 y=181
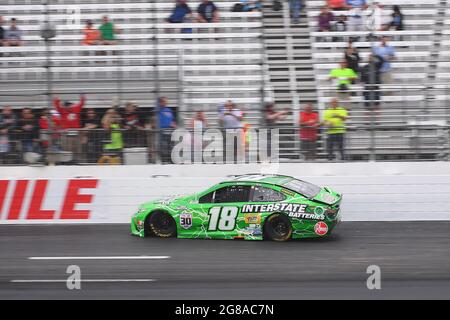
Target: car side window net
x=207 y=198
x=262 y=194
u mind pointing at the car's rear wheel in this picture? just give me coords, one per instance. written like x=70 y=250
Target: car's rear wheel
x=278 y=227
x=161 y=224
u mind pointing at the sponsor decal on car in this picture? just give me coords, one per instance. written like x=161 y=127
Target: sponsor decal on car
x=288 y=192
x=311 y=216
x=275 y=207
x=252 y=218
x=321 y=228
x=186 y=220
x=291 y=209
x=253 y=230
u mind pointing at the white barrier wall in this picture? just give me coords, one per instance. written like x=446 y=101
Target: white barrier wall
x=372 y=191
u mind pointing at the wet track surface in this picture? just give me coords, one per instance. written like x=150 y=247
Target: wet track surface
x=414 y=258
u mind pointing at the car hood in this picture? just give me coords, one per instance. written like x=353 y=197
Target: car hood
x=166 y=201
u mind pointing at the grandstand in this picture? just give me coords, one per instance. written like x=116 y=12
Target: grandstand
x=249 y=58
x=197 y=70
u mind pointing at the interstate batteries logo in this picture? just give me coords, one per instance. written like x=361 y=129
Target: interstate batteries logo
x=293 y=210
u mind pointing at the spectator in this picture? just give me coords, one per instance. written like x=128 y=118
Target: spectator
x=91 y=138
x=50 y=125
x=397 y=19
x=230 y=117
x=325 y=19
x=356 y=3
x=387 y=53
x=271 y=116
x=91 y=35
x=376 y=17
x=341 y=24
x=198 y=122
x=198 y=125
x=28 y=130
x=166 y=124
x=13 y=36
x=251 y=5
x=295 y=8
x=207 y=12
x=355 y=20
x=8 y=124
x=70 y=113
x=70 y=122
x=111 y=116
x=108 y=32
x=180 y=12
x=309 y=122
x=337 y=4
x=335 y=119
x=113 y=149
x=370 y=76
x=2 y=33
x=344 y=76
x=352 y=57
x=132 y=123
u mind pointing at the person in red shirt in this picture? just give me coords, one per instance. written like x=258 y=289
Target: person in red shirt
x=309 y=122
x=70 y=113
x=338 y=5
x=70 y=120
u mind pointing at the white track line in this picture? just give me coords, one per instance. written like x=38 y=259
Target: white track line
x=83 y=280
x=103 y=258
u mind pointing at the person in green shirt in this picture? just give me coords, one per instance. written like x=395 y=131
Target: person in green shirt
x=334 y=118
x=345 y=77
x=108 y=32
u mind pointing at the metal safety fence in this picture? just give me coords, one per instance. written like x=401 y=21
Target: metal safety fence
x=218 y=145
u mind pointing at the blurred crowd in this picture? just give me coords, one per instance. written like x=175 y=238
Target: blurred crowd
x=359 y=16
x=101 y=136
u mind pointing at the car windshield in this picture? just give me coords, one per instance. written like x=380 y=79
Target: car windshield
x=307 y=189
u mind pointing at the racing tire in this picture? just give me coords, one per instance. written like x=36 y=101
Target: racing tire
x=278 y=227
x=161 y=224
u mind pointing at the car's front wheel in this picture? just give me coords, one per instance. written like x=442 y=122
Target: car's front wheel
x=161 y=224
x=278 y=227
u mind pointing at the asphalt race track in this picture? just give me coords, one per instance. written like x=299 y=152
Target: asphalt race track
x=414 y=258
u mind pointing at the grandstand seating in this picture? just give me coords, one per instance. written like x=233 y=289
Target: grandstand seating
x=221 y=61
x=247 y=57
x=412 y=96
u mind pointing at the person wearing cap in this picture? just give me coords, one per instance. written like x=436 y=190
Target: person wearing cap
x=91 y=35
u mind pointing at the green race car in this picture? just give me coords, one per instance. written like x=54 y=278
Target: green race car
x=250 y=207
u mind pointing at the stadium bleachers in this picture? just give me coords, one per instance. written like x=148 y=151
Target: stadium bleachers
x=418 y=91
x=249 y=58
x=198 y=70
